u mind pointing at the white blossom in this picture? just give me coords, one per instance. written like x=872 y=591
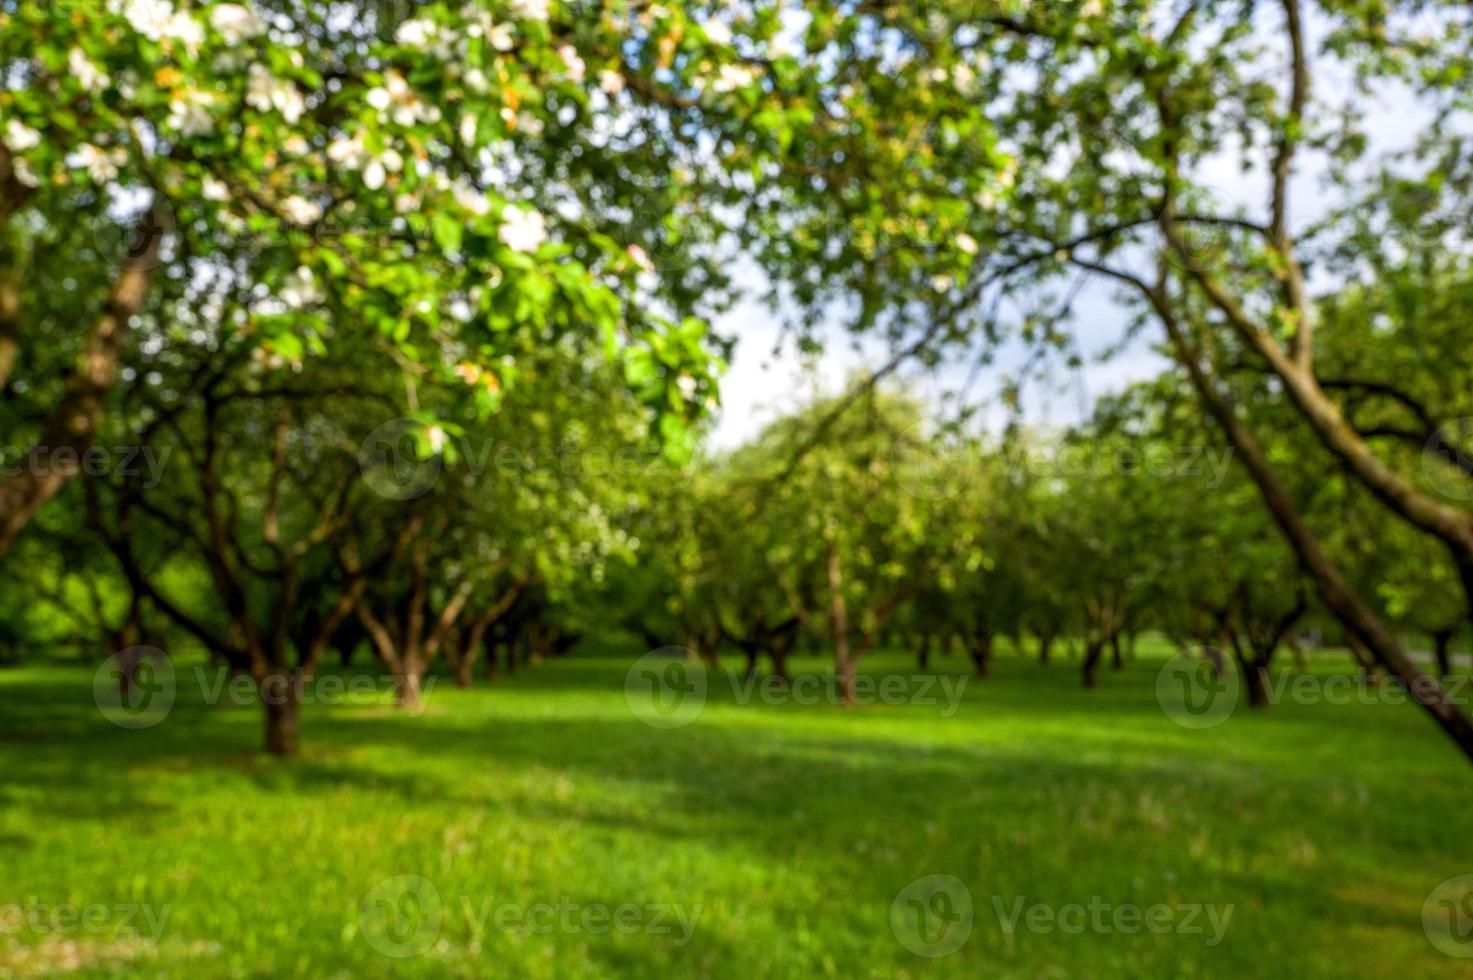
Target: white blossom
x=573 y=61
x=415 y=33
x=188 y=113
x=347 y=151
x=732 y=77
x=470 y=199
x=235 y=22
x=687 y=386
x=300 y=211
x=266 y=92
x=149 y=17
x=186 y=30
x=21 y=168
x=398 y=100
x=500 y=38
x=611 y=81
x=88 y=75
x=301 y=289
x=523 y=230
x=19 y=137
x=100 y=165
x=530 y=9
x=966 y=243
x=717 y=32
x=214 y=190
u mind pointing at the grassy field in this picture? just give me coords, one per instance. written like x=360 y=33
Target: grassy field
x=548 y=832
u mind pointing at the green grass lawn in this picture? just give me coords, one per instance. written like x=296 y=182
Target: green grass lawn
x=782 y=833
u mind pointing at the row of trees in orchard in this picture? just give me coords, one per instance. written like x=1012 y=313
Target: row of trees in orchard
x=855 y=523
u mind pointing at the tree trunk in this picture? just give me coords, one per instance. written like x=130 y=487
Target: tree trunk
x=1442 y=650
x=73 y=424
x=465 y=669
x=982 y=653
x=923 y=655
x=839 y=622
x=1256 y=679
x=1334 y=591
x=1297 y=649
x=279 y=694
x=408 y=695
x=1093 y=651
x=1045 y=644
x=1116 y=660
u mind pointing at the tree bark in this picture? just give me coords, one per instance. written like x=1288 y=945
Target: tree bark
x=73 y=425
x=839 y=623
x=1093 y=652
x=1442 y=650
x=279 y=694
x=982 y=653
x=1334 y=591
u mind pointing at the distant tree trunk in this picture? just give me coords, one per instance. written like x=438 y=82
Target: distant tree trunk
x=465 y=670
x=839 y=621
x=279 y=694
x=1093 y=651
x=1045 y=644
x=1368 y=666
x=1297 y=649
x=923 y=655
x=1256 y=679
x=750 y=648
x=1116 y=660
x=780 y=644
x=982 y=653
x=1442 y=649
